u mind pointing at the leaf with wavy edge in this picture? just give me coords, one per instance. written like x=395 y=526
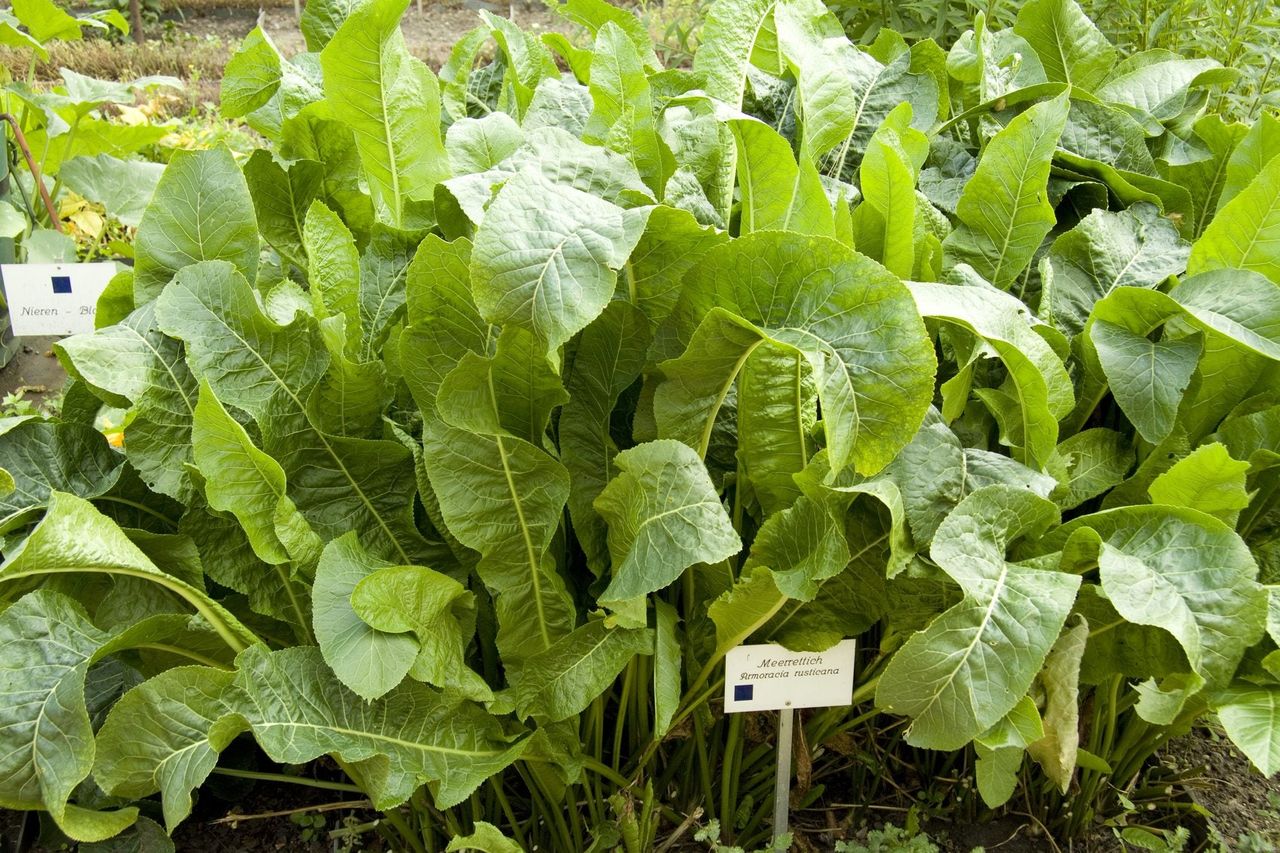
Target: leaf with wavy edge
x=391 y=100
x=972 y=664
x=853 y=321
x=270 y=371
x=664 y=515
x=1004 y=212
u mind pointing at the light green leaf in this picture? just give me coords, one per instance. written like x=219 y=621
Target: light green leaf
x=623 y=117
x=1185 y=572
x=1056 y=752
x=437 y=609
x=133 y=362
x=1255 y=150
x=1070 y=47
x=1251 y=716
x=500 y=495
x=123 y=187
x=594 y=14
x=1147 y=378
x=1003 y=211
x=884 y=225
x=322 y=18
x=777 y=414
x=778 y=194
x=201 y=211
x=728 y=36
x=1241 y=236
x=369 y=661
x=242 y=480
x=873 y=368
x=486 y=838
x=1208 y=480
x=391 y=101
x=667 y=656
x=972 y=665
x=546 y=257
x=565 y=678
x=822 y=59
x=160 y=737
x=251 y=76
x=1155 y=83
x=74 y=538
x=415 y=735
x=1040 y=380
x=664 y=515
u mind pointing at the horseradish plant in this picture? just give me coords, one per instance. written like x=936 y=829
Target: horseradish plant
x=551 y=386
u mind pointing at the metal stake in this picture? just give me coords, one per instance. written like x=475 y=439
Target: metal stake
x=782 y=783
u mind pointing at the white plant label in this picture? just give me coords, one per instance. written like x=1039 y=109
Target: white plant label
x=768 y=677
x=54 y=299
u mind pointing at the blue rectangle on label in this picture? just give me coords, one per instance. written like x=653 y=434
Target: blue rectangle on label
x=61 y=284
x=743 y=692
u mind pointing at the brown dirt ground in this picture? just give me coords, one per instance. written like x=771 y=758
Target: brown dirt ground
x=430 y=29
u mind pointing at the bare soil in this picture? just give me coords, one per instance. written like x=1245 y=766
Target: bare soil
x=430 y=29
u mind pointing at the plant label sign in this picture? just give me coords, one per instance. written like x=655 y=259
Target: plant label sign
x=768 y=677
x=54 y=299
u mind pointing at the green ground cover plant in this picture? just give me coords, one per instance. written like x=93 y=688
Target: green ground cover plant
x=472 y=421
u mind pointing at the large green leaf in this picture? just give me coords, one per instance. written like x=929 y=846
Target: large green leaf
x=1070 y=47
x=728 y=36
x=622 y=117
x=201 y=211
x=1039 y=378
x=242 y=480
x=160 y=737
x=972 y=665
x=777 y=193
x=546 y=256
x=437 y=609
x=664 y=516
x=412 y=736
x=884 y=225
x=499 y=494
x=1239 y=312
x=392 y=102
x=269 y=371
x=1004 y=212
x=74 y=539
x=1250 y=714
x=1184 y=572
x=873 y=366
x=1208 y=480
x=564 y=679
x=251 y=76
x=1243 y=233
x=1255 y=150
x=1133 y=248
x=46 y=738
x=369 y=661
x=823 y=61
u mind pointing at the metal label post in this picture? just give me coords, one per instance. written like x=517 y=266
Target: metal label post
x=782 y=783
